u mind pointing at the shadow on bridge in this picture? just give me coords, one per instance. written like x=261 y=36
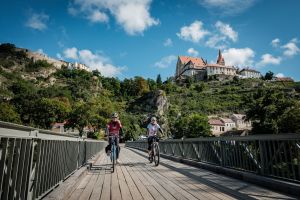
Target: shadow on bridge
x=136 y=178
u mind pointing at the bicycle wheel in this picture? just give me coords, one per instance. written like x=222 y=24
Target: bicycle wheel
x=113 y=157
x=156 y=154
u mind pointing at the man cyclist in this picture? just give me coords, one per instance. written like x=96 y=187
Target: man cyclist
x=152 y=130
x=114 y=128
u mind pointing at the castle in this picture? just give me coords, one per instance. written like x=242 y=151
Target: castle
x=201 y=70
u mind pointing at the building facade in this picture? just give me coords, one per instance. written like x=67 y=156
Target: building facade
x=249 y=73
x=240 y=122
x=199 y=68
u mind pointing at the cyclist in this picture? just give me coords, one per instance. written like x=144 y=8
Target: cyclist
x=114 y=128
x=152 y=130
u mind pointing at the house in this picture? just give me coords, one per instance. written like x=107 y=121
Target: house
x=58 y=127
x=200 y=69
x=217 y=126
x=228 y=123
x=283 y=79
x=249 y=73
x=189 y=66
x=240 y=122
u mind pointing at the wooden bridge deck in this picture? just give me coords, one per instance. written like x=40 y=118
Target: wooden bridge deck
x=135 y=178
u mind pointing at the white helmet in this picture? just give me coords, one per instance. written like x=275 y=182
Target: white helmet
x=153 y=119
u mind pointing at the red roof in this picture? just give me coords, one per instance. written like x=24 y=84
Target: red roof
x=216 y=122
x=195 y=61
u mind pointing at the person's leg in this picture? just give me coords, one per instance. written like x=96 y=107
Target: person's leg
x=117 y=140
x=108 y=147
x=149 y=145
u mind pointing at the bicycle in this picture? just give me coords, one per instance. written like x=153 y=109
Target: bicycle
x=113 y=152
x=154 y=154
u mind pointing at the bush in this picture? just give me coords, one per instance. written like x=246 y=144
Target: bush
x=38 y=65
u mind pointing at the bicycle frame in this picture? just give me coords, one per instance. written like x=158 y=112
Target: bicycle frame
x=113 y=154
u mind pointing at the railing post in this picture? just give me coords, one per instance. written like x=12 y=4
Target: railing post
x=262 y=157
x=32 y=170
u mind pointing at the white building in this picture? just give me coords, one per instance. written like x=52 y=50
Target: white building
x=190 y=66
x=228 y=123
x=216 y=69
x=217 y=126
x=249 y=73
x=240 y=122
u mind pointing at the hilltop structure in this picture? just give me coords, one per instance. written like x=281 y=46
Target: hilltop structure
x=35 y=56
x=201 y=70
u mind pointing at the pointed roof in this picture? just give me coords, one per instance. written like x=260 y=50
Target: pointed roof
x=195 y=61
x=220 y=60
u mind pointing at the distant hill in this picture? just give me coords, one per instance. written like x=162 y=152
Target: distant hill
x=38 y=91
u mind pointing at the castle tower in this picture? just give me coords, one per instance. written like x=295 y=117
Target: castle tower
x=220 y=60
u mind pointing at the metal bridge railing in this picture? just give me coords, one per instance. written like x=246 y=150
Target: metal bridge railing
x=275 y=156
x=33 y=161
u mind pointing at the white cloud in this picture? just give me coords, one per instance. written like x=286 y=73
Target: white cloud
x=275 y=42
x=37 y=21
x=71 y=53
x=41 y=51
x=194 y=32
x=217 y=42
x=166 y=61
x=227 y=7
x=97 y=16
x=58 y=55
x=168 y=42
x=100 y=62
x=192 y=52
x=239 y=57
x=133 y=15
x=290 y=49
x=268 y=59
x=295 y=40
x=93 y=61
x=279 y=75
x=227 y=30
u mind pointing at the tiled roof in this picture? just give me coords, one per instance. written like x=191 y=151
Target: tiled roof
x=239 y=116
x=284 y=79
x=249 y=70
x=226 y=120
x=215 y=122
x=195 y=61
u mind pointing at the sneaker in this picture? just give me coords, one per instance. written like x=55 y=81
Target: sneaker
x=118 y=161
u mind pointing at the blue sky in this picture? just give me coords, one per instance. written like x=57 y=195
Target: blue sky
x=127 y=38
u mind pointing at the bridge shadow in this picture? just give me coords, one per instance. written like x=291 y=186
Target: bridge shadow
x=230 y=187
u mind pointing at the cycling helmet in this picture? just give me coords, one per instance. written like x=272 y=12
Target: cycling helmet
x=153 y=119
x=114 y=115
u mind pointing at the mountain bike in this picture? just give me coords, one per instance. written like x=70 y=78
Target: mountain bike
x=154 y=154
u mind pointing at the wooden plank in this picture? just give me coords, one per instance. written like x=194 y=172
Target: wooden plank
x=125 y=193
x=140 y=185
x=79 y=189
x=98 y=186
x=89 y=187
x=156 y=195
x=152 y=181
x=135 y=193
x=115 y=188
x=105 y=194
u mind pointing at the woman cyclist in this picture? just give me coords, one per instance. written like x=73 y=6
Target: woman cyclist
x=152 y=130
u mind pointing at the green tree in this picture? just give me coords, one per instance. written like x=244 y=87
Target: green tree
x=80 y=117
x=289 y=122
x=269 y=75
x=191 y=126
x=47 y=111
x=265 y=110
x=158 y=81
x=8 y=113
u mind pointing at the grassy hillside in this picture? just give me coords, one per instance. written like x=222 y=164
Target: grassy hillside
x=36 y=94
